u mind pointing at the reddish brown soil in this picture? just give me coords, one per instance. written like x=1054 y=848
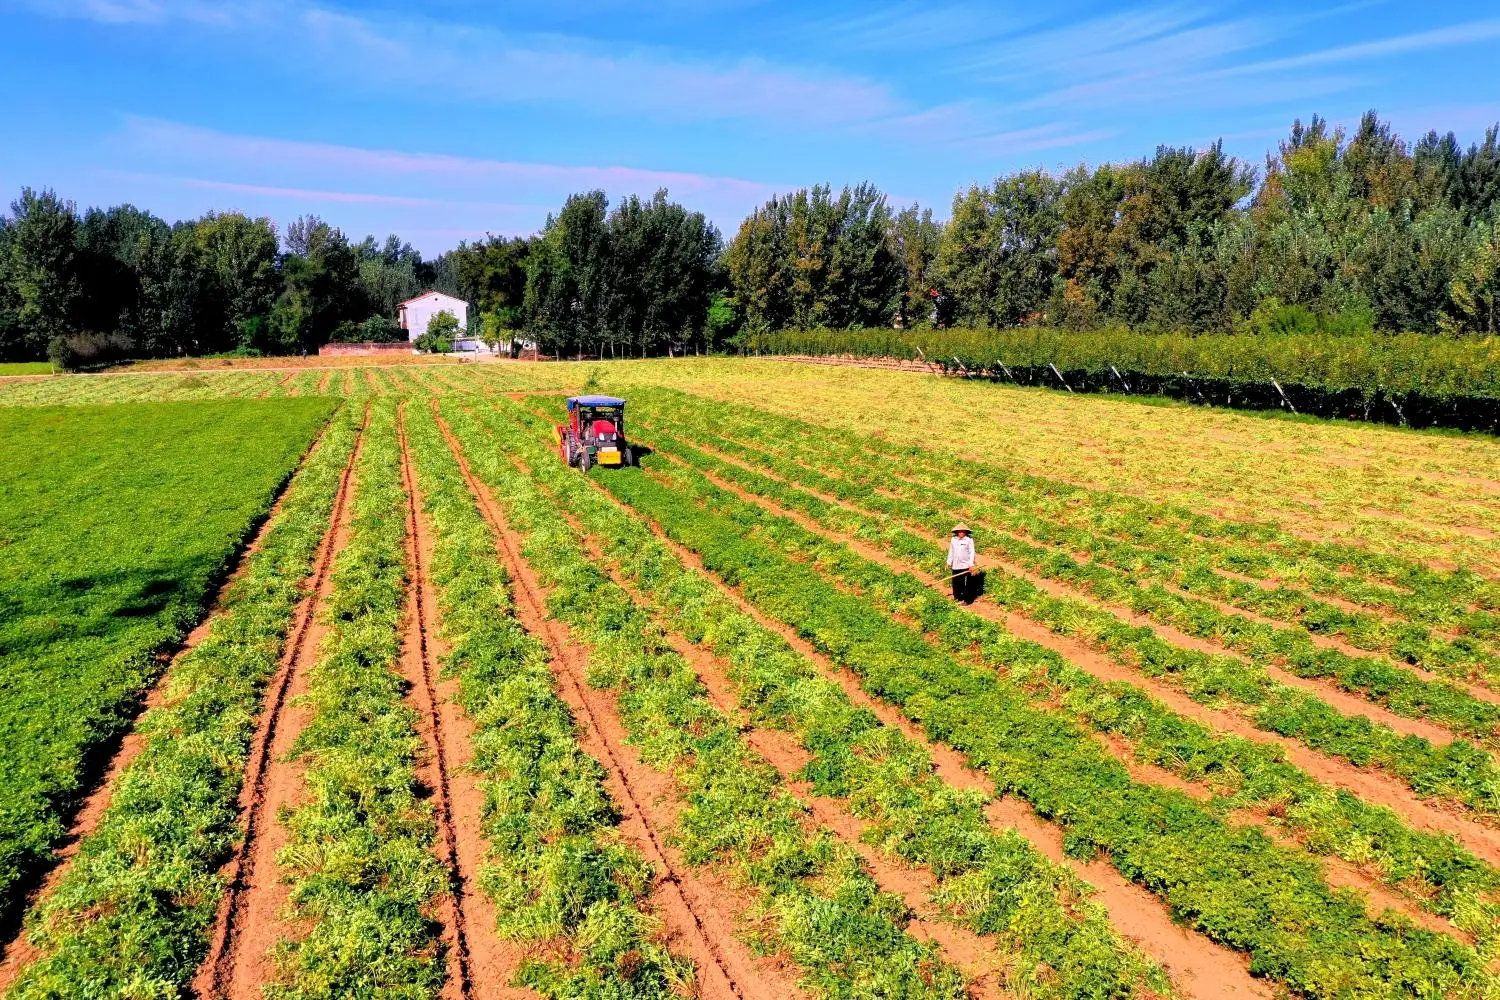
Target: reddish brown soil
x=1340 y=873
x=293 y=363
x=972 y=954
x=698 y=911
x=279 y=383
x=249 y=918
x=1199 y=967
x=419 y=668
x=323 y=382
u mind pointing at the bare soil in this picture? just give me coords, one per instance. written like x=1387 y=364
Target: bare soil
x=249 y=921
x=445 y=733
x=278 y=384
x=296 y=363
x=972 y=954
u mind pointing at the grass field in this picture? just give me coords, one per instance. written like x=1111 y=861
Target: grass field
x=115 y=525
x=26 y=368
x=1224 y=721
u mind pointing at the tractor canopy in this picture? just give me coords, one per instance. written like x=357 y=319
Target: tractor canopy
x=596 y=417
x=595 y=402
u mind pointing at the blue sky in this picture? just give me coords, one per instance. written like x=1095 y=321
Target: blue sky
x=471 y=118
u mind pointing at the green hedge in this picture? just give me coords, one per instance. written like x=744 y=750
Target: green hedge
x=1435 y=366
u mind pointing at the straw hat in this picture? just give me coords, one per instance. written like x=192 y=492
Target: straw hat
x=960 y=526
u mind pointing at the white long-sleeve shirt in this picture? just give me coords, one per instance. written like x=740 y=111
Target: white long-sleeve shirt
x=961 y=553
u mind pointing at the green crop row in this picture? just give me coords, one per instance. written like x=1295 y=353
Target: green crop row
x=555 y=867
x=1169 y=556
x=1230 y=883
x=1400 y=689
x=1434 y=597
x=816 y=903
x=116 y=524
x=359 y=843
x=1439 y=875
x=1457 y=770
x=993 y=883
x=131 y=915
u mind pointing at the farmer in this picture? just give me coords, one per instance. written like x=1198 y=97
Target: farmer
x=961 y=565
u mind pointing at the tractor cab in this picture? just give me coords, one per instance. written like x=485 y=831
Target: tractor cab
x=594 y=433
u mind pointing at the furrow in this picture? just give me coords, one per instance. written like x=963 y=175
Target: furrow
x=726 y=969
x=1374 y=786
x=420 y=670
x=1198 y=966
x=249 y=908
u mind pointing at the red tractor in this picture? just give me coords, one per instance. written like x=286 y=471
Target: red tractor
x=594 y=433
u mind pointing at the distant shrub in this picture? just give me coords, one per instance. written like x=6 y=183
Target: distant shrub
x=73 y=352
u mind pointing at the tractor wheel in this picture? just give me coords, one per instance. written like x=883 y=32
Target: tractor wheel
x=584 y=460
x=628 y=458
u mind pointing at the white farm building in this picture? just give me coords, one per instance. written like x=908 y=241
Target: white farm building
x=413 y=315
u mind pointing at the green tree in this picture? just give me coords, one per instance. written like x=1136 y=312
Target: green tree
x=389 y=274
x=662 y=274
x=997 y=257
x=442 y=330
x=810 y=259
x=40 y=270
x=240 y=277
x=567 y=274
x=915 y=241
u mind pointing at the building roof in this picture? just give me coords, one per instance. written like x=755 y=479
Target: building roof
x=430 y=291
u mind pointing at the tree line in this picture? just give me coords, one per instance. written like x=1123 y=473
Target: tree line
x=1337 y=233
x=120 y=281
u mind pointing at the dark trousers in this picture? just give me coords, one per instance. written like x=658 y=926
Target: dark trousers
x=965 y=587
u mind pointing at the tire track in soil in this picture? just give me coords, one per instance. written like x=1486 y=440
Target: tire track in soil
x=1373 y=786
x=248 y=921
x=696 y=910
x=272 y=388
x=15 y=952
x=478 y=965
x=1199 y=967
x=1348 y=702
x=975 y=956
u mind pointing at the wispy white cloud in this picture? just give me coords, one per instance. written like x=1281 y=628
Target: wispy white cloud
x=1189 y=57
x=1120 y=42
x=912 y=27
x=411 y=191
x=309 y=195
x=488 y=65
x=211 y=12
x=1453 y=36
x=193 y=144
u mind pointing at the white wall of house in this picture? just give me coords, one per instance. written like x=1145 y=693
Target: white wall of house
x=414 y=314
